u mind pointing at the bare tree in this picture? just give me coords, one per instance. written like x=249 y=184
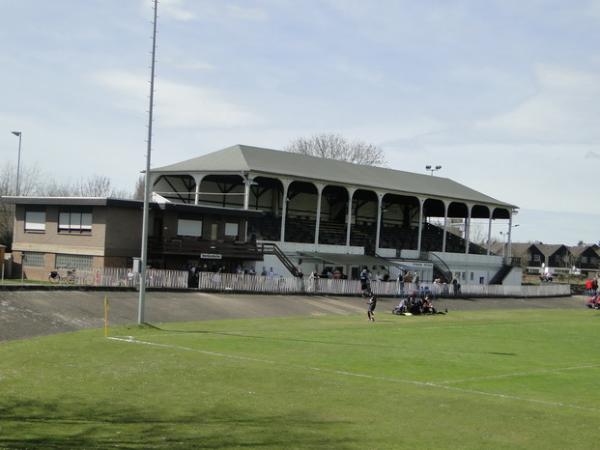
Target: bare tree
x=28 y=184
x=335 y=146
x=138 y=191
x=94 y=186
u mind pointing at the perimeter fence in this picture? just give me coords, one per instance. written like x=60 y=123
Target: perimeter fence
x=256 y=284
x=124 y=277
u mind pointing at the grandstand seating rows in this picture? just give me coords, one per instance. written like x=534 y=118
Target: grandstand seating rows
x=363 y=234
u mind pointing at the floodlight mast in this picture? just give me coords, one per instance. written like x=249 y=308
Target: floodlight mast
x=144 y=256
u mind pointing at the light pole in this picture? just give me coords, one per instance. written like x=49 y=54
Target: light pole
x=19 y=135
x=432 y=168
x=145 y=213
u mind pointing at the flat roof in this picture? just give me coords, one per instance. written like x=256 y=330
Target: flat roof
x=127 y=203
x=243 y=159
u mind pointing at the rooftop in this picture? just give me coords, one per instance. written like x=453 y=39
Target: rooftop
x=243 y=158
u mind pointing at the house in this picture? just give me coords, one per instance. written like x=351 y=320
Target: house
x=587 y=258
x=93 y=233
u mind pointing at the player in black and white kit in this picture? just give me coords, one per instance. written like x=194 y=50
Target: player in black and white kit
x=372 y=305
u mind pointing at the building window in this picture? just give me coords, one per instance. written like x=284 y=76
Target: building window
x=536 y=257
x=33 y=259
x=75 y=221
x=35 y=221
x=81 y=262
x=231 y=229
x=186 y=227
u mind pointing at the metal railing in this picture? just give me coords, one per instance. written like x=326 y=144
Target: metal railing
x=227 y=282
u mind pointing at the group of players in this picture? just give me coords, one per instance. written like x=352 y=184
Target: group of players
x=411 y=305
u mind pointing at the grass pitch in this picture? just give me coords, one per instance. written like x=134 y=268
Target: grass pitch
x=471 y=380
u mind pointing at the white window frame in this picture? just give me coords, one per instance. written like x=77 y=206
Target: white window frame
x=74 y=220
x=187 y=227
x=232 y=229
x=35 y=221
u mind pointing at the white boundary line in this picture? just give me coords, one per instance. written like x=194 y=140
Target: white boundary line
x=133 y=340
x=520 y=374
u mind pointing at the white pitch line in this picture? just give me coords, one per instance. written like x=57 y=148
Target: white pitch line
x=133 y=340
x=519 y=374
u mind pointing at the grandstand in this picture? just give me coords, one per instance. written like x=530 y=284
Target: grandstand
x=315 y=210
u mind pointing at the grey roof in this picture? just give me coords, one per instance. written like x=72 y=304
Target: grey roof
x=577 y=250
x=550 y=249
x=127 y=203
x=71 y=201
x=520 y=249
x=242 y=158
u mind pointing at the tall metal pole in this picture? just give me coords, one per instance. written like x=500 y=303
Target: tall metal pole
x=19 y=135
x=144 y=255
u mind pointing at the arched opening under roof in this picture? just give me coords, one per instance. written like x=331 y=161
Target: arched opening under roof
x=364 y=220
x=432 y=238
x=301 y=212
x=222 y=191
x=399 y=223
x=266 y=195
x=478 y=233
x=334 y=212
x=175 y=188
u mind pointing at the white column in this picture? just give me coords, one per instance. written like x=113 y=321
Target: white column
x=248 y=181
x=351 y=192
x=421 y=203
x=508 y=249
x=380 y=196
x=444 y=233
x=198 y=181
x=320 y=188
x=467 y=229
x=286 y=185
x=489 y=239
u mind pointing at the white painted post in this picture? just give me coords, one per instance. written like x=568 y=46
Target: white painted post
x=286 y=185
x=510 y=227
x=467 y=229
x=489 y=239
x=198 y=181
x=320 y=188
x=248 y=180
x=446 y=207
x=380 y=196
x=421 y=203
x=351 y=192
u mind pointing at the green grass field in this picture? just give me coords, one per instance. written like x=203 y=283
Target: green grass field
x=471 y=380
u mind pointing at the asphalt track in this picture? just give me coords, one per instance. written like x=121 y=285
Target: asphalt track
x=26 y=314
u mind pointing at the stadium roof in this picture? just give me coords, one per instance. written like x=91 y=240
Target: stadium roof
x=243 y=158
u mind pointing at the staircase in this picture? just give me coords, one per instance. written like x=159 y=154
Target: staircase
x=501 y=274
x=439 y=266
x=273 y=249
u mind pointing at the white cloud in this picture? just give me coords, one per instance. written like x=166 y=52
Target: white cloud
x=592 y=155
x=176 y=9
x=177 y=104
x=564 y=109
x=252 y=14
x=199 y=66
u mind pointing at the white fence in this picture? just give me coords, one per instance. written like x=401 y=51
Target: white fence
x=124 y=277
x=227 y=282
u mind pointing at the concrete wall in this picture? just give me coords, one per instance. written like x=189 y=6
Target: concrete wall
x=472 y=269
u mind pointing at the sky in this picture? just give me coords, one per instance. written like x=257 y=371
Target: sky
x=504 y=95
